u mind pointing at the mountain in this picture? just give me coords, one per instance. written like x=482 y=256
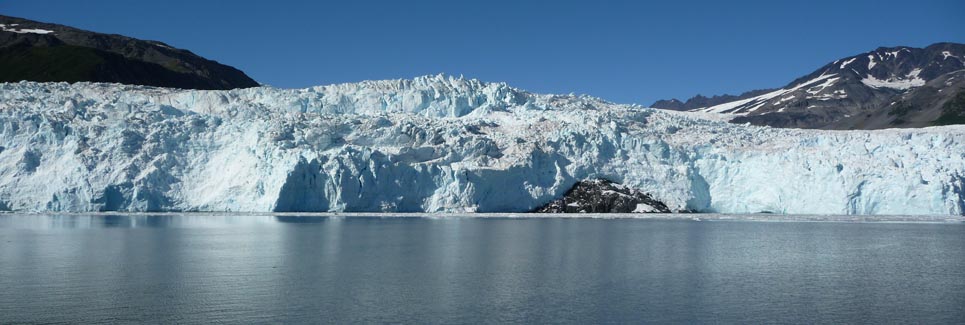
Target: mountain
x=441 y=144
x=36 y=51
x=700 y=101
x=884 y=88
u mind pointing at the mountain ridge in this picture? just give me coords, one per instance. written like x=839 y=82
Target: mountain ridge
x=45 y=52
x=699 y=100
x=862 y=91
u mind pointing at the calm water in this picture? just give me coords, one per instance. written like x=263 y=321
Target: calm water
x=170 y=269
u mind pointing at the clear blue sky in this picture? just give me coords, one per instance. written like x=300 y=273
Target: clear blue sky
x=624 y=51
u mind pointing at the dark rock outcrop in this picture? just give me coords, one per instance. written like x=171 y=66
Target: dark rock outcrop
x=603 y=196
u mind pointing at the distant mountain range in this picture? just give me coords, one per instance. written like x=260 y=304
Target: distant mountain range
x=701 y=101
x=885 y=88
x=36 y=51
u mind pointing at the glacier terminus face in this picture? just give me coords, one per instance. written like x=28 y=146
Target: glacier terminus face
x=440 y=144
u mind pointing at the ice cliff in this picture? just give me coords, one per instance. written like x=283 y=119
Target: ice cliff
x=439 y=144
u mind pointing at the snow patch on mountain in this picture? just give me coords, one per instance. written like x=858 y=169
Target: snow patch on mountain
x=847 y=62
x=817 y=89
x=910 y=81
x=12 y=29
x=737 y=107
x=440 y=144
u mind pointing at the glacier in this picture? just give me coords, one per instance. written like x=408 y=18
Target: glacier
x=440 y=144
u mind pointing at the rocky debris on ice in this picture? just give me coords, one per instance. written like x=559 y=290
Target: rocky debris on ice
x=603 y=196
x=439 y=144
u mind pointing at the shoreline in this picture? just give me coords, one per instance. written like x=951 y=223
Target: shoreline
x=633 y=216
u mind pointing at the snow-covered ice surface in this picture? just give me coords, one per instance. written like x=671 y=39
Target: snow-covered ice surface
x=440 y=144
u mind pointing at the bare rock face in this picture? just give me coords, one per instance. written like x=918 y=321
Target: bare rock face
x=603 y=196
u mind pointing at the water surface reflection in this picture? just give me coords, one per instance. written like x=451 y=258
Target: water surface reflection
x=191 y=268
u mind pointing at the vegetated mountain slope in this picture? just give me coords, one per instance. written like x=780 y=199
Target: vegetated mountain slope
x=439 y=144
x=884 y=88
x=37 y=51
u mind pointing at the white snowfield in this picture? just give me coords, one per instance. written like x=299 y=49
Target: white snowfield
x=439 y=144
x=13 y=29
